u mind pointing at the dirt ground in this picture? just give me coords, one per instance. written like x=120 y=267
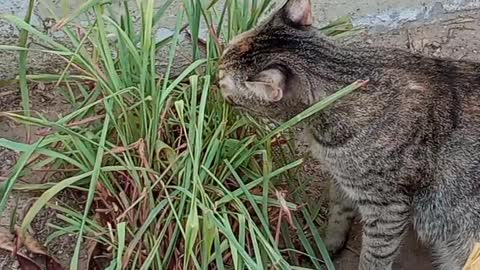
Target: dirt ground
x=456 y=36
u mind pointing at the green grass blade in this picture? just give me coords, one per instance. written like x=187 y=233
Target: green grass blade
x=318 y=241
x=23 y=65
x=121 y=243
x=47 y=195
x=93 y=184
x=31 y=30
x=7 y=186
x=82 y=9
x=40 y=150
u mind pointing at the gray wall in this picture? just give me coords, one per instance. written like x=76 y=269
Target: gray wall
x=379 y=14
x=384 y=13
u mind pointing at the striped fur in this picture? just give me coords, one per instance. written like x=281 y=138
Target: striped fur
x=404 y=150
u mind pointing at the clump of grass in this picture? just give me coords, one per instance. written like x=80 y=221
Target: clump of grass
x=173 y=178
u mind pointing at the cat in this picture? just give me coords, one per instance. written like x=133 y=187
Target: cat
x=404 y=149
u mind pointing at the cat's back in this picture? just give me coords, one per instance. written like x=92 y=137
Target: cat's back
x=451 y=108
x=446 y=89
x=428 y=106
x=455 y=93
x=453 y=120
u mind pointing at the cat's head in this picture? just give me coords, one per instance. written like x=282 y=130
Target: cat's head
x=265 y=71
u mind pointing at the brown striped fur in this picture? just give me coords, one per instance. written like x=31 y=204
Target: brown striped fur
x=404 y=150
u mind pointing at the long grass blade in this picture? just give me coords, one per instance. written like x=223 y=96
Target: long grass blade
x=22 y=72
x=8 y=185
x=93 y=184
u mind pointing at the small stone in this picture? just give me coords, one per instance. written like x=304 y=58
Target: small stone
x=475 y=51
x=41 y=86
x=369 y=41
x=15 y=265
x=435 y=44
x=417 y=45
x=11 y=124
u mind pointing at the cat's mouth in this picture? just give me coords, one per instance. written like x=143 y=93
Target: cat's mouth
x=228 y=99
x=227 y=88
x=235 y=105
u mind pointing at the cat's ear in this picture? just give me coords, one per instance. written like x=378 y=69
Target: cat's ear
x=298 y=12
x=269 y=84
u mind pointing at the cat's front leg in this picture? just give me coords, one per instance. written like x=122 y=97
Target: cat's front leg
x=385 y=226
x=341 y=214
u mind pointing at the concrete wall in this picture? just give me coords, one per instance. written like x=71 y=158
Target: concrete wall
x=379 y=13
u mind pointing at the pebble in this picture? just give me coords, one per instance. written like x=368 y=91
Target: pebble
x=15 y=265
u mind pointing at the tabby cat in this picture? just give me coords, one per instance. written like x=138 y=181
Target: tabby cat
x=404 y=149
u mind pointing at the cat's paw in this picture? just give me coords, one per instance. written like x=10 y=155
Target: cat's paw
x=334 y=243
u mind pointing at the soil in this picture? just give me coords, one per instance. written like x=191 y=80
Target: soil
x=52 y=105
x=456 y=35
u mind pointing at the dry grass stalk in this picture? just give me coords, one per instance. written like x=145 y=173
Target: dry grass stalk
x=473 y=262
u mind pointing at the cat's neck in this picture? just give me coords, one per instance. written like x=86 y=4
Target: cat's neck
x=342 y=65
x=334 y=64
x=344 y=120
x=393 y=75
x=399 y=83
